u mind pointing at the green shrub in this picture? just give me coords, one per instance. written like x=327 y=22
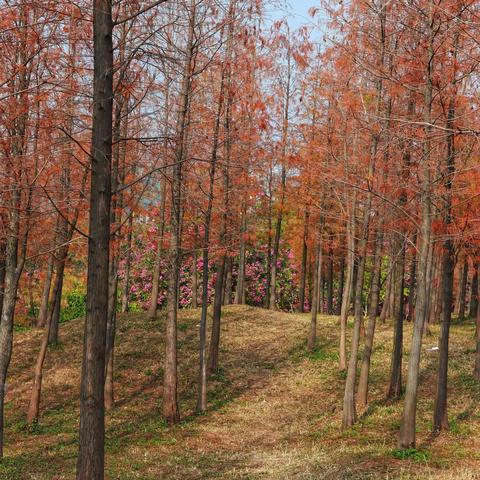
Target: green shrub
x=76 y=305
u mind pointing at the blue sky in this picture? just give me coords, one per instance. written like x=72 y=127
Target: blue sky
x=296 y=11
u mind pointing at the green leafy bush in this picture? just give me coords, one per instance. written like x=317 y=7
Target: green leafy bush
x=76 y=305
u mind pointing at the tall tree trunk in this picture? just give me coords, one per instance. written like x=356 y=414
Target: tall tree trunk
x=407 y=434
x=462 y=290
x=227 y=299
x=272 y=304
x=202 y=384
x=348 y=286
x=14 y=256
x=321 y=278
x=120 y=129
x=372 y=318
x=152 y=310
x=349 y=416
x=42 y=314
x=90 y=463
x=194 y=278
x=13 y=269
x=472 y=313
x=55 y=309
x=386 y=298
x=413 y=275
x=3 y=252
x=303 y=273
x=128 y=261
x=240 y=290
x=341 y=281
x=319 y=272
x=217 y=305
x=330 y=283
x=170 y=401
x=312 y=335
x=440 y=416
x=34 y=405
x=476 y=371
x=220 y=283
x=395 y=385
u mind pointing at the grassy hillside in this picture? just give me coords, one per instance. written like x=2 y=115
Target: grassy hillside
x=274 y=411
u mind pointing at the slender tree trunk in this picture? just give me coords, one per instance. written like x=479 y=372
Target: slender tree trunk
x=272 y=304
x=217 y=305
x=120 y=129
x=341 y=282
x=407 y=434
x=413 y=275
x=348 y=287
x=42 y=314
x=90 y=463
x=3 y=247
x=34 y=405
x=170 y=401
x=202 y=383
x=330 y=283
x=474 y=296
x=194 y=278
x=395 y=385
x=440 y=417
x=128 y=261
x=349 y=409
x=463 y=290
x=321 y=284
x=228 y=282
x=13 y=268
x=386 y=298
x=14 y=259
x=152 y=311
x=220 y=283
x=320 y=276
x=372 y=318
x=55 y=309
x=312 y=335
x=303 y=274
x=476 y=371
x=240 y=291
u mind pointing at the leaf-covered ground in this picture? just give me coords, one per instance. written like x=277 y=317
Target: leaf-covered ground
x=274 y=411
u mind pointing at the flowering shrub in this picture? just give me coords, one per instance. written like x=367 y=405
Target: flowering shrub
x=143 y=264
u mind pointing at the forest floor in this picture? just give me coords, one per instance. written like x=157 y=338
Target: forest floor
x=274 y=411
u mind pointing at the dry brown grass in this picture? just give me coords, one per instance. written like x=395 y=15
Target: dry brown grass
x=274 y=411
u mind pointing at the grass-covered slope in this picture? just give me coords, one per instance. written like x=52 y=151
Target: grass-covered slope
x=274 y=411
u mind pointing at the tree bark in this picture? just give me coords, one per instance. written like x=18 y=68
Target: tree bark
x=349 y=416
x=395 y=385
x=128 y=261
x=372 y=318
x=272 y=304
x=227 y=300
x=407 y=434
x=463 y=290
x=90 y=463
x=472 y=313
x=303 y=273
x=42 y=314
x=170 y=399
x=413 y=274
x=440 y=416
x=330 y=283
x=341 y=281
x=312 y=335
x=348 y=286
